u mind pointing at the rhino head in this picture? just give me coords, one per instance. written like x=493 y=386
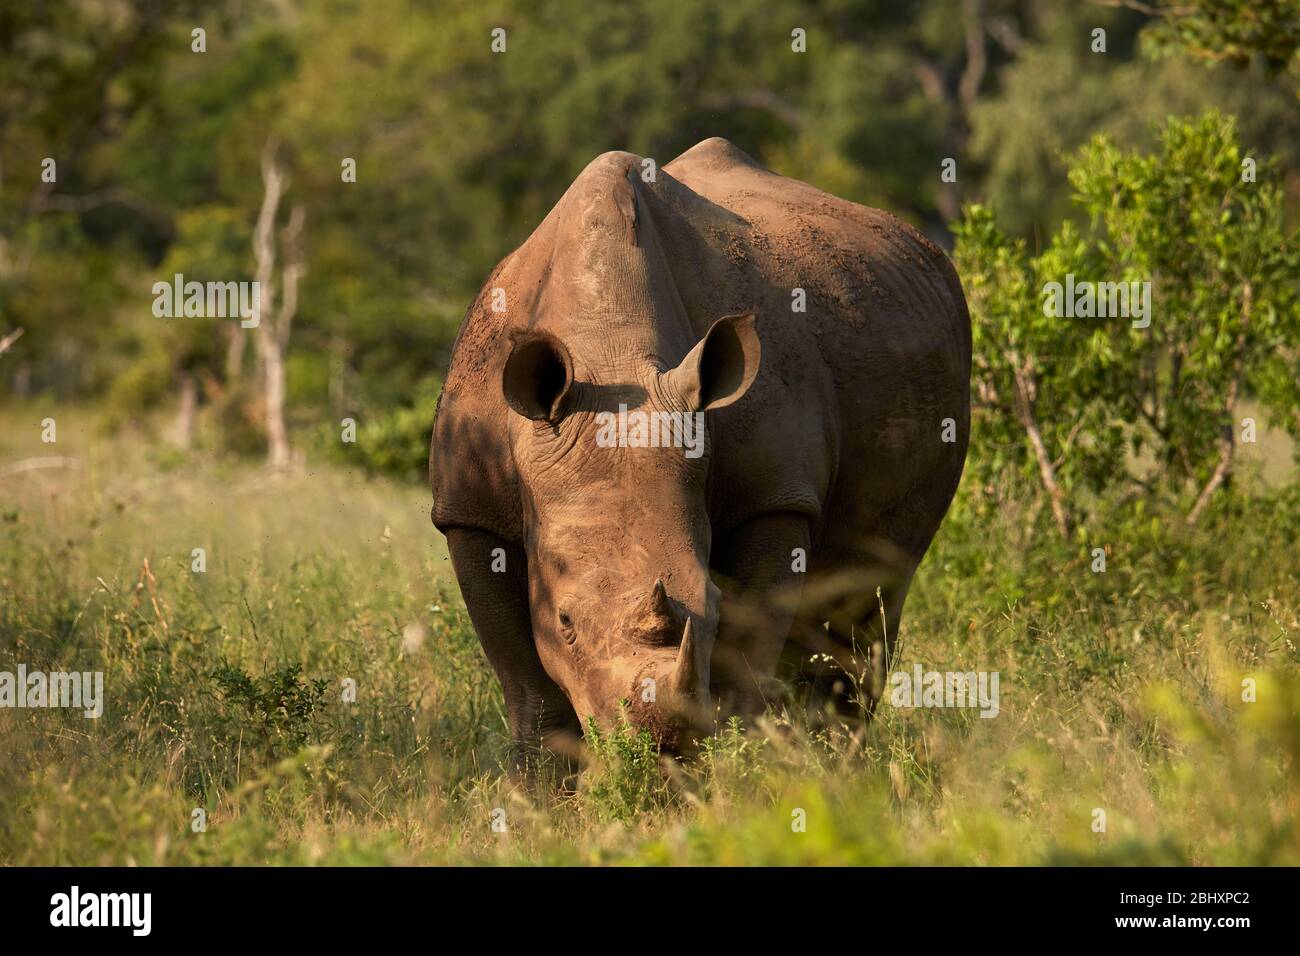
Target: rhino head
x=613 y=458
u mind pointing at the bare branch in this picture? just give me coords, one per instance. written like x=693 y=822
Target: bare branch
x=1024 y=399
x=931 y=80
x=1147 y=8
x=1003 y=30
x=41 y=201
x=760 y=100
x=968 y=86
x=1228 y=445
x=10 y=339
x=36 y=464
x=1067 y=444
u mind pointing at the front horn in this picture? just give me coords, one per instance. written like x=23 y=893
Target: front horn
x=690 y=680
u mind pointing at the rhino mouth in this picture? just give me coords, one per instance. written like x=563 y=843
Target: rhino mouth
x=671 y=736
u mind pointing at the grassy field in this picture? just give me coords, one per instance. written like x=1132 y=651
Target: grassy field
x=1120 y=692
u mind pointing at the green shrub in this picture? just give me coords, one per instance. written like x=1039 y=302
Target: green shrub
x=395 y=444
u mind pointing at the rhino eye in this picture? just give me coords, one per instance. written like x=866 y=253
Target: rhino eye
x=566 y=625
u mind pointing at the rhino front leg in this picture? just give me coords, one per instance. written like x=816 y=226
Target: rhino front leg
x=759 y=568
x=543 y=728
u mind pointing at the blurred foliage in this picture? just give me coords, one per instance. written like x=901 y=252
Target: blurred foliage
x=1122 y=409
x=1233 y=31
x=395 y=443
x=460 y=152
x=277 y=707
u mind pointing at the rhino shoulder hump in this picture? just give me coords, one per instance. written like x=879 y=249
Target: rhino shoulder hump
x=716 y=152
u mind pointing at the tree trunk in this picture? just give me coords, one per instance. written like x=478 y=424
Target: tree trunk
x=188 y=412
x=277 y=437
x=234 y=354
x=274 y=323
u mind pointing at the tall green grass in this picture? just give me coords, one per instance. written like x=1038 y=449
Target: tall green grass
x=1121 y=692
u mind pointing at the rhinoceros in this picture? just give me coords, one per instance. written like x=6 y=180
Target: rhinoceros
x=696 y=434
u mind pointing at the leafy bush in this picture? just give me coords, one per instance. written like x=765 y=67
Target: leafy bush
x=394 y=444
x=277 y=707
x=1086 y=406
x=623 y=778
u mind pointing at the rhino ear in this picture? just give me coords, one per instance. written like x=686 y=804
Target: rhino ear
x=722 y=366
x=537 y=377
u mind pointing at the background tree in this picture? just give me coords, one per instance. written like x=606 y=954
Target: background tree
x=460 y=151
x=1092 y=405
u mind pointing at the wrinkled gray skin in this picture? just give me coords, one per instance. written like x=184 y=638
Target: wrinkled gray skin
x=671 y=583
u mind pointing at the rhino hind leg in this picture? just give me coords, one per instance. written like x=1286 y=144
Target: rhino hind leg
x=543 y=727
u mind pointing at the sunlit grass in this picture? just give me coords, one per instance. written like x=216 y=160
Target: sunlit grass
x=1121 y=692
